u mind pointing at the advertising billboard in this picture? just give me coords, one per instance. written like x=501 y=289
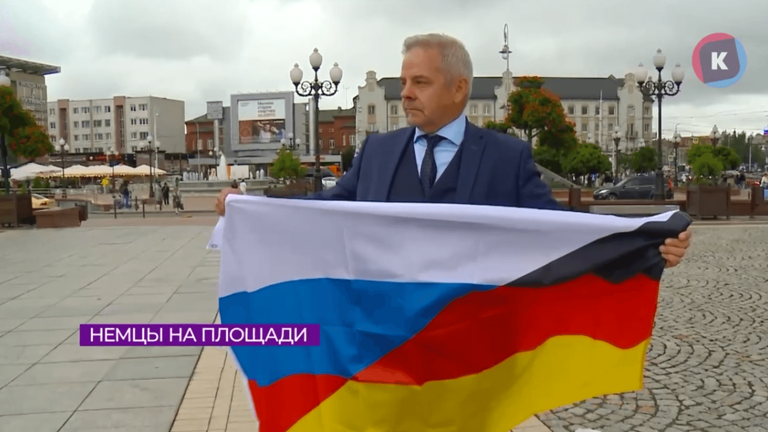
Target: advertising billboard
x=261 y=121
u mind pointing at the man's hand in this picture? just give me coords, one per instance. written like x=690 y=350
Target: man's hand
x=674 y=249
x=222 y=198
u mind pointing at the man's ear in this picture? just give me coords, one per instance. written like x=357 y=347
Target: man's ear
x=460 y=89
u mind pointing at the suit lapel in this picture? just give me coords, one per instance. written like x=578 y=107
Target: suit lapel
x=392 y=152
x=471 y=155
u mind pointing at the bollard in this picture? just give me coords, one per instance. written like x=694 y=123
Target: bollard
x=114 y=207
x=143 y=213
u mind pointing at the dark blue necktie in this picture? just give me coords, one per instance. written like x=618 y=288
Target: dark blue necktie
x=428 y=172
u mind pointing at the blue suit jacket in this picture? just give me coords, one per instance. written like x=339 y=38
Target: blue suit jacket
x=496 y=169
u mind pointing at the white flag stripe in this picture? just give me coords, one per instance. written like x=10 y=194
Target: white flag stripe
x=265 y=241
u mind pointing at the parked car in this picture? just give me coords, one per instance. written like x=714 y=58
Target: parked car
x=329 y=182
x=41 y=202
x=632 y=188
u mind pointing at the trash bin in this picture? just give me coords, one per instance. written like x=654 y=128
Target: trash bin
x=83 y=211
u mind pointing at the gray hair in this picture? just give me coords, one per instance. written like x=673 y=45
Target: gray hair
x=456 y=61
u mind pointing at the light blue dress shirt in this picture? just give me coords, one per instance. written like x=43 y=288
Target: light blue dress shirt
x=453 y=133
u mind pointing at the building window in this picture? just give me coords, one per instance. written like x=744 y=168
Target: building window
x=144 y=121
x=210 y=143
x=331 y=143
x=75 y=111
x=97 y=123
x=393 y=110
x=631 y=111
x=77 y=150
x=631 y=129
x=597 y=126
x=133 y=122
x=473 y=109
x=487 y=109
x=107 y=109
x=646 y=128
x=52 y=139
x=76 y=124
x=371 y=127
x=133 y=108
x=97 y=110
x=597 y=110
x=99 y=149
x=199 y=144
x=320 y=130
x=143 y=135
x=371 y=109
x=611 y=110
x=99 y=137
x=610 y=127
x=77 y=137
x=142 y=107
x=321 y=143
x=571 y=110
x=393 y=127
x=352 y=139
x=53 y=125
x=360 y=109
x=647 y=111
x=133 y=135
x=331 y=130
x=86 y=137
x=134 y=149
x=107 y=123
x=108 y=136
x=86 y=110
x=584 y=110
x=52 y=111
x=584 y=127
x=86 y=123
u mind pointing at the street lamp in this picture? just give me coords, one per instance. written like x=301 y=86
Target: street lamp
x=616 y=140
x=676 y=138
x=505 y=52
x=5 y=82
x=63 y=148
x=714 y=136
x=659 y=89
x=112 y=153
x=316 y=89
x=292 y=145
x=151 y=147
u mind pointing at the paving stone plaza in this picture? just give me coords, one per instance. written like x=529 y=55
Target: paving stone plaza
x=707 y=367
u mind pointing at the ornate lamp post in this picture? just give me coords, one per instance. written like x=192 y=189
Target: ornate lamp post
x=676 y=138
x=315 y=89
x=714 y=136
x=5 y=82
x=291 y=143
x=151 y=147
x=616 y=140
x=63 y=148
x=112 y=154
x=659 y=89
x=505 y=52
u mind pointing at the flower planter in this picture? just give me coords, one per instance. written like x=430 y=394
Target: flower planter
x=708 y=201
x=298 y=188
x=16 y=209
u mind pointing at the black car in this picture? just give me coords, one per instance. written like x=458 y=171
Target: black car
x=632 y=188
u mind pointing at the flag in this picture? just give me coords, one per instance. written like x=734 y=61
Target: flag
x=437 y=317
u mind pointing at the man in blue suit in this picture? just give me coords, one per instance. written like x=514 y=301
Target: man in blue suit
x=443 y=158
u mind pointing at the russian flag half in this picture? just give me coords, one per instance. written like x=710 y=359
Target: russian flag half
x=437 y=317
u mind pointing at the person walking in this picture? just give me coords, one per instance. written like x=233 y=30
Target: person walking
x=177 y=202
x=166 y=191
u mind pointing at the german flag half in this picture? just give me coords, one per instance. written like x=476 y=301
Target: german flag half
x=437 y=317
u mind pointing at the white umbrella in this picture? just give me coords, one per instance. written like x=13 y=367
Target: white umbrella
x=144 y=171
x=32 y=170
x=123 y=170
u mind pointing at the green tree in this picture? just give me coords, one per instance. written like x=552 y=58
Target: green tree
x=347 y=156
x=533 y=109
x=501 y=127
x=707 y=169
x=550 y=158
x=727 y=157
x=587 y=159
x=25 y=138
x=287 y=166
x=643 y=160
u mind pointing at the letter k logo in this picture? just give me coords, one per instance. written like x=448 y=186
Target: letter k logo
x=718 y=61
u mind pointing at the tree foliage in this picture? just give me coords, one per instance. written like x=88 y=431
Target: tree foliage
x=25 y=138
x=643 y=160
x=727 y=157
x=707 y=168
x=501 y=127
x=587 y=159
x=534 y=109
x=287 y=166
x=347 y=156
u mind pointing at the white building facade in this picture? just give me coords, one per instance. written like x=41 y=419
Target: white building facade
x=595 y=105
x=120 y=123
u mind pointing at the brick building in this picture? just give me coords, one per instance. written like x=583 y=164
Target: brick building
x=199 y=136
x=337 y=130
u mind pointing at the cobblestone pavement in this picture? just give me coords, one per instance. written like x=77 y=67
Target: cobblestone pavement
x=708 y=362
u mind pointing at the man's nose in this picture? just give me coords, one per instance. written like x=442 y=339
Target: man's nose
x=406 y=92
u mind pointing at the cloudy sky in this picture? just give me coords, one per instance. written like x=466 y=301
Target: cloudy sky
x=200 y=50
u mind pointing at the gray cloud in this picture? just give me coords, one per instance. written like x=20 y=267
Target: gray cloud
x=200 y=50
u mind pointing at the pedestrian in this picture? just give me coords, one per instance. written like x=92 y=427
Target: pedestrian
x=442 y=157
x=166 y=191
x=243 y=186
x=177 y=202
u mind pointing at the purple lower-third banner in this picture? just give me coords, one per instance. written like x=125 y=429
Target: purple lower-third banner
x=199 y=334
